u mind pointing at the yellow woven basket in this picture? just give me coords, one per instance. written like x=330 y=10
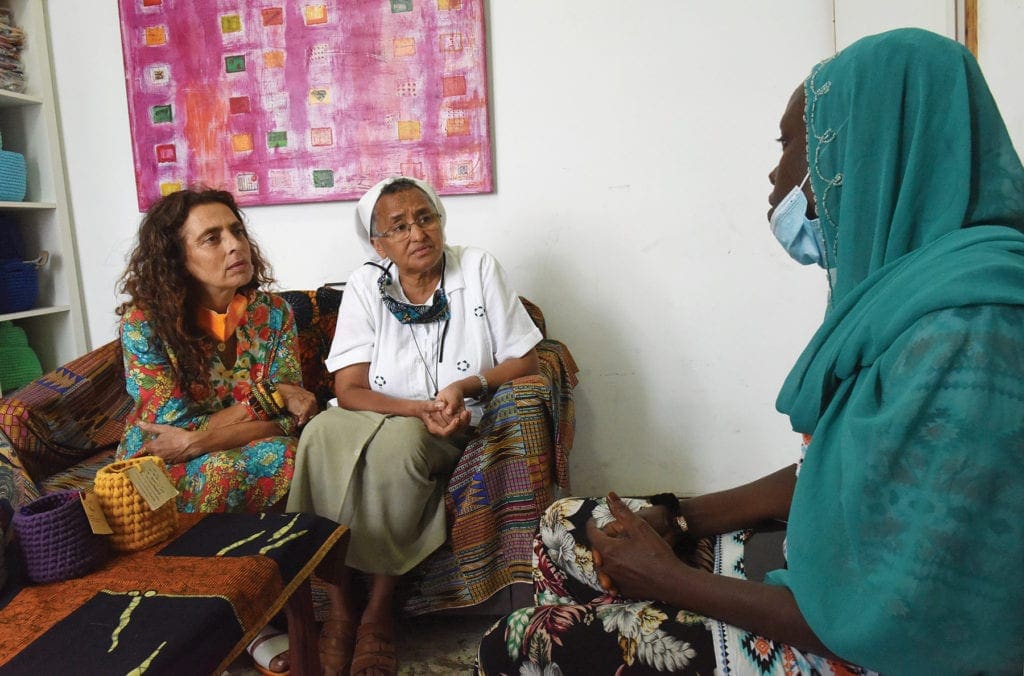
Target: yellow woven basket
x=135 y=525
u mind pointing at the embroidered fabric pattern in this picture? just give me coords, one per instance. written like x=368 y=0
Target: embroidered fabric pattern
x=829 y=224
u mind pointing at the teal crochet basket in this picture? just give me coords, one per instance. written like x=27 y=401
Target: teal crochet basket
x=12 y=175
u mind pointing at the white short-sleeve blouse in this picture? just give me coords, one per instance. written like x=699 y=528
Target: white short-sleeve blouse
x=488 y=325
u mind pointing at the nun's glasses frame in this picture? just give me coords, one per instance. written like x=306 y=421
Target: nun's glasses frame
x=401 y=232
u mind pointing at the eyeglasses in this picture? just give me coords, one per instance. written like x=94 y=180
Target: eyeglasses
x=401 y=232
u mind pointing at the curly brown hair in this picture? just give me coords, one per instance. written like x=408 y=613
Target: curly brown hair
x=157 y=281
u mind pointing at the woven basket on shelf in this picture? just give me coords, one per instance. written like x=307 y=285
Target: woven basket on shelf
x=12 y=175
x=56 y=540
x=135 y=525
x=19 y=286
x=18 y=361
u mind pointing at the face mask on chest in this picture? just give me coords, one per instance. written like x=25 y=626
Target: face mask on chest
x=800 y=236
x=407 y=313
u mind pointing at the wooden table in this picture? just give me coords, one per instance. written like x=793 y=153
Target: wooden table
x=189 y=605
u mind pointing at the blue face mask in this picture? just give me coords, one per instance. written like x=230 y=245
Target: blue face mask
x=800 y=236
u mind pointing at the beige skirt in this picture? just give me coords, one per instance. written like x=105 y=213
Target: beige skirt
x=382 y=476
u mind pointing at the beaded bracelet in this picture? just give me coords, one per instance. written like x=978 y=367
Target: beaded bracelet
x=253 y=407
x=257 y=394
x=265 y=401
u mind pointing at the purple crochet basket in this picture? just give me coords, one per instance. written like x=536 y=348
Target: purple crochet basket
x=56 y=540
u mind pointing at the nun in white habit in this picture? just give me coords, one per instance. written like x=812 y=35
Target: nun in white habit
x=425 y=333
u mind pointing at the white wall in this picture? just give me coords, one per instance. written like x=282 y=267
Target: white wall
x=1001 y=53
x=857 y=18
x=632 y=145
x=1000 y=24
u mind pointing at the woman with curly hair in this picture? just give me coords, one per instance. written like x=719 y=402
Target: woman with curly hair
x=210 y=358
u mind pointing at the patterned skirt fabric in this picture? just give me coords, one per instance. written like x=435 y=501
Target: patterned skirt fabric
x=248 y=479
x=579 y=629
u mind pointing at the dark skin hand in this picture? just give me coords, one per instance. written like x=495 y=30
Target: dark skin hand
x=638 y=563
x=746 y=506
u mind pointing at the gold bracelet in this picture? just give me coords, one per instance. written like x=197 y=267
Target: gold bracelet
x=277 y=397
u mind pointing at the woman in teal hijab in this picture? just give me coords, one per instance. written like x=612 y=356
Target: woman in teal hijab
x=905 y=540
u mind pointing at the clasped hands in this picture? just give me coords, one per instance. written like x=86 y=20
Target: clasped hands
x=633 y=554
x=446 y=415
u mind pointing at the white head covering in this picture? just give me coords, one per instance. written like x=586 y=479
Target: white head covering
x=364 y=210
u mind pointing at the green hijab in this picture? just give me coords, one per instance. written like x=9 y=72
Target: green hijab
x=906 y=549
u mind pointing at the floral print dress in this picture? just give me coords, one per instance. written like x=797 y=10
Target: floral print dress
x=578 y=628
x=246 y=479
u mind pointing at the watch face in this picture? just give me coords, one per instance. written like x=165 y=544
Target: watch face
x=681 y=522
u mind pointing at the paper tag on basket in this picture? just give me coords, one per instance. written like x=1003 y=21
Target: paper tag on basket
x=152 y=484
x=94 y=512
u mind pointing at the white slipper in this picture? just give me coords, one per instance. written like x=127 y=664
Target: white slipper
x=267 y=645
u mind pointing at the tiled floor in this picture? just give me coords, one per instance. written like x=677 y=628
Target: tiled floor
x=441 y=644
x=432 y=644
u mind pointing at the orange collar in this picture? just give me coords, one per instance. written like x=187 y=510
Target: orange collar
x=222 y=326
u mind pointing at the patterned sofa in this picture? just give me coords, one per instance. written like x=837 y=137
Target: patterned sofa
x=58 y=430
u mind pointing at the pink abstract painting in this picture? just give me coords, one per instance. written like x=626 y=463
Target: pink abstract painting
x=285 y=101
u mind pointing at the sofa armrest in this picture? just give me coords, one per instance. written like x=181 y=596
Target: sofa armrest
x=503 y=479
x=524 y=438
x=519 y=419
x=559 y=369
x=69 y=414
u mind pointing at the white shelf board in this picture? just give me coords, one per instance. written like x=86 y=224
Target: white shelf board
x=35 y=312
x=9 y=99
x=27 y=206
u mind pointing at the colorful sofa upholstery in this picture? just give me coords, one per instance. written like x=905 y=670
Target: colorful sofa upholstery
x=58 y=430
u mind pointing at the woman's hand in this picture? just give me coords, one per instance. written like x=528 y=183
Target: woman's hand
x=659 y=519
x=632 y=558
x=453 y=398
x=299 y=401
x=170 y=443
x=438 y=423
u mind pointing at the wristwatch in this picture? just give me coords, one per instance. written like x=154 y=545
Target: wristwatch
x=680 y=522
x=670 y=502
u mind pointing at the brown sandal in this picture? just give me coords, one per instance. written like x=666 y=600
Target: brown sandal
x=375 y=649
x=336 y=645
